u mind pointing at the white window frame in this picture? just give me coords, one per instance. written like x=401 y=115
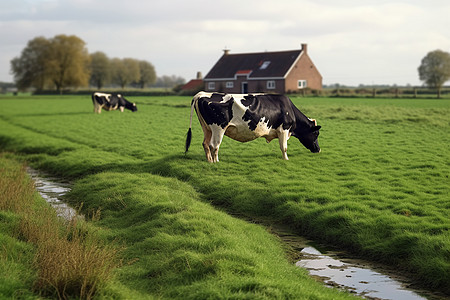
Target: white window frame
x=211 y=86
x=271 y=85
x=229 y=84
x=302 y=84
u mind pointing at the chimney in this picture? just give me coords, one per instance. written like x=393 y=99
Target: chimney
x=199 y=75
x=305 y=48
x=226 y=51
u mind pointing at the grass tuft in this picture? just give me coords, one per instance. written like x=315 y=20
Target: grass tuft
x=69 y=259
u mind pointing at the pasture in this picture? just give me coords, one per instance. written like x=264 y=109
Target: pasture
x=379 y=189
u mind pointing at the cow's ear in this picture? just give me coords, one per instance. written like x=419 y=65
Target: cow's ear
x=316 y=128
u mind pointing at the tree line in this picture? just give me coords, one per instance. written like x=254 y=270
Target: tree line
x=63 y=61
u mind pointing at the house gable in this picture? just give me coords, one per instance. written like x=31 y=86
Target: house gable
x=303 y=70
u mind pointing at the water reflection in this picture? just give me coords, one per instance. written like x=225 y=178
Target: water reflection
x=360 y=280
x=52 y=190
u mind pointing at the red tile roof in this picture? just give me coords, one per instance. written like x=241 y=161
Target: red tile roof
x=243 y=72
x=192 y=84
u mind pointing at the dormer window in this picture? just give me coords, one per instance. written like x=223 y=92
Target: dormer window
x=264 y=65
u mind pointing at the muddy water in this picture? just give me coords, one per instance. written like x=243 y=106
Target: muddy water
x=357 y=276
x=52 y=190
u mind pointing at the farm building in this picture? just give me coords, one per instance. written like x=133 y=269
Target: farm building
x=273 y=72
x=194 y=85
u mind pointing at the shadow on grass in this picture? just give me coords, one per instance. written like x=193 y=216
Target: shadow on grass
x=56 y=114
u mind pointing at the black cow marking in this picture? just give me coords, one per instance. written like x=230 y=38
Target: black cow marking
x=215 y=112
x=269 y=107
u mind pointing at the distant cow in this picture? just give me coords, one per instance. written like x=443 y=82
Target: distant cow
x=111 y=102
x=245 y=117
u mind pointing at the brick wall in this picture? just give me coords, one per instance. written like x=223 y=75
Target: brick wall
x=304 y=69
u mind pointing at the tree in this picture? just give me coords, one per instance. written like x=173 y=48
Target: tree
x=435 y=69
x=31 y=68
x=147 y=74
x=63 y=61
x=124 y=71
x=169 y=81
x=100 y=69
x=69 y=62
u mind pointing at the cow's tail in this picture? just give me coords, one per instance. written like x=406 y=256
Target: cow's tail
x=189 y=133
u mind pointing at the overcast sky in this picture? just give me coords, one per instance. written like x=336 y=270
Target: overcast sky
x=351 y=42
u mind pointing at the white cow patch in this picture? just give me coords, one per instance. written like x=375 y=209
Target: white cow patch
x=226 y=98
x=107 y=96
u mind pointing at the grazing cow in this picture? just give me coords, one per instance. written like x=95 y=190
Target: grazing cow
x=111 y=102
x=245 y=117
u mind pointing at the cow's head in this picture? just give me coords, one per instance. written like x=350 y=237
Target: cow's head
x=130 y=106
x=308 y=136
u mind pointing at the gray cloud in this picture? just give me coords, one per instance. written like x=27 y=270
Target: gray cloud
x=350 y=41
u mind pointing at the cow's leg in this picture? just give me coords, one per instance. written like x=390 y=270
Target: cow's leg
x=283 y=137
x=121 y=108
x=207 y=148
x=97 y=108
x=215 y=152
x=206 y=141
x=216 y=140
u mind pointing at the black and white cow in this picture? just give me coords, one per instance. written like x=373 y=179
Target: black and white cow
x=111 y=102
x=245 y=117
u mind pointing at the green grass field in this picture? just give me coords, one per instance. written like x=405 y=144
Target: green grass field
x=379 y=189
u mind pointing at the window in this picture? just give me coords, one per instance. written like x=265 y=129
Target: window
x=264 y=65
x=302 y=84
x=229 y=84
x=211 y=86
x=271 y=84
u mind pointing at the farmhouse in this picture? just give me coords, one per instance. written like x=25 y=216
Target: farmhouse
x=271 y=72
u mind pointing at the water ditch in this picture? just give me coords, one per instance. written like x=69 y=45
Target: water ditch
x=52 y=190
x=334 y=269
x=366 y=279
